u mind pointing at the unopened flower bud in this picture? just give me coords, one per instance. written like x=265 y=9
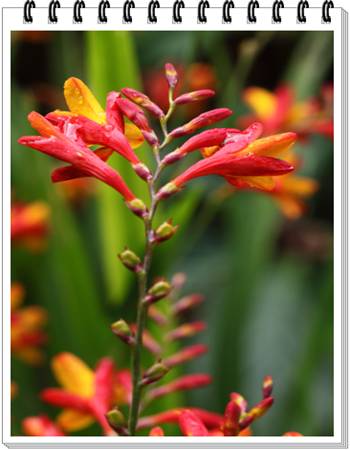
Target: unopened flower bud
x=232 y=415
x=165 y=231
x=184 y=383
x=150 y=137
x=115 y=418
x=154 y=373
x=156 y=431
x=194 y=96
x=173 y=157
x=159 y=290
x=158 y=317
x=185 y=331
x=123 y=331
x=203 y=120
x=167 y=190
x=186 y=303
x=130 y=260
x=133 y=113
x=117 y=422
x=142 y=171
x=257 y=411
x=187 y=354
x=267 y=386
x=171 y=75
x=137 y=207
x=142 y=100
x=178 y=280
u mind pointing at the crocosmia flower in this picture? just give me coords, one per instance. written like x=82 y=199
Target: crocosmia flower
x=30 y=224
x=242 y=161
x=27 y=335
x=279 y=111
x=86 y=395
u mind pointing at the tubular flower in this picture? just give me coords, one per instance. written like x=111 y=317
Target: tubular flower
x=27 y=336
x=88 y=163
x=40 y=426
x=30 y=224
x=88 y=123
x=86 y=395
x=242 y=163
x=187 y=382
x=235 y=421
x=81 y=102
x=279 y=111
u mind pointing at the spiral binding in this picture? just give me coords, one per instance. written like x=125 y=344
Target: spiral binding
x=103 y=5
x=252 y=5
x=128 y=5
x=53 y=5
x=178 y=5
x=226 y=11
x=277 y=5
x=78 y=5
x=326 y=18
x=301 y=18
x=27 y=11
x=202 y=6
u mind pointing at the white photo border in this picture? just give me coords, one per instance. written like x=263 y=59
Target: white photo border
x=12 y=20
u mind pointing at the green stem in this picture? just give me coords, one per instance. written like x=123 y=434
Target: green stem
x=143 y=280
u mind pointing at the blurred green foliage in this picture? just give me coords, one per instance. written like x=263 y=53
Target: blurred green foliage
x=269 y=301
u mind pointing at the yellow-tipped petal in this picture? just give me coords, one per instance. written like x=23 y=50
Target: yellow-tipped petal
x=273 y=146
x=300 y=186
x=263 y=102
x=209 y=151
x=70 y=420
x=81 y=100
x=73 y=374
x=17 y=295
x=263 y=183
x=133 y=135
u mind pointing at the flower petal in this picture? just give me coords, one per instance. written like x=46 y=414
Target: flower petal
x=73 y=374
x=261 y=101
x=275 y=145
x=191 y=425
x=81 y=100
x=133 y=135
x=71 y=420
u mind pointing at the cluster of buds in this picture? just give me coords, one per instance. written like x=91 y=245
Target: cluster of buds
x=179 y=307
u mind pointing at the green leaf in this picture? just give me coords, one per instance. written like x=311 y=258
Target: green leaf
x=111 y=65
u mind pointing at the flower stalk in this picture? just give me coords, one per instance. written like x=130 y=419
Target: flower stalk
x=143 y=274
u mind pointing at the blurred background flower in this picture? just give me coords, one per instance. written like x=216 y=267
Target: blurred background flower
x=268 y=279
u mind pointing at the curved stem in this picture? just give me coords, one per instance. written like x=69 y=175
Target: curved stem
x=143 y=280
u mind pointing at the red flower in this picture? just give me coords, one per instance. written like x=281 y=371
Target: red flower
x=30 y=224
x=279 y=111
x=82 y=159
x=241 y=163
x=86 y=395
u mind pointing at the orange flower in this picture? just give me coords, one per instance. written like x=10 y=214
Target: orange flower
x=40 y=426
x=242 y=161
x=86 y=395
x=279 y=111
x=30 y=224
x=27 y=336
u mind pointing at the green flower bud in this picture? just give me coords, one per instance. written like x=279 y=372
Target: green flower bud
x=154 y=373
x=130 y=260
